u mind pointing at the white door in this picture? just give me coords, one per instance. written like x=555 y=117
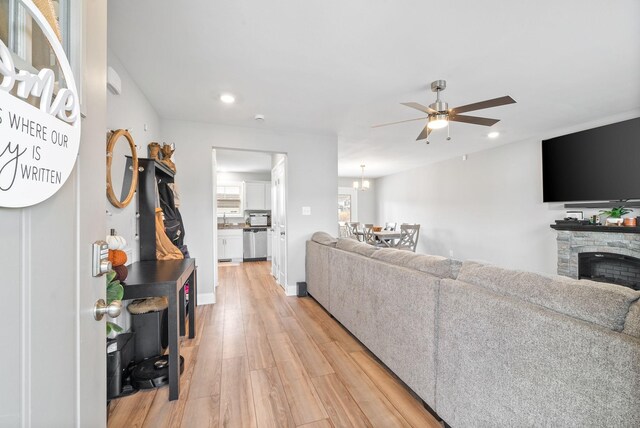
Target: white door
x=279 y=223
x=54 y=352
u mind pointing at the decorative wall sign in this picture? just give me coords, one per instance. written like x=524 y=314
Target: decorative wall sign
x=38 y=145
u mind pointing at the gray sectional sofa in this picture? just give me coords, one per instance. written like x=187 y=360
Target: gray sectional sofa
x=483 y=345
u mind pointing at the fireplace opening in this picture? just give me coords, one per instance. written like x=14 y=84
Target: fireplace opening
x=609 y=267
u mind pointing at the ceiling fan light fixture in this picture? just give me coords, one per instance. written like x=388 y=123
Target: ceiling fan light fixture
x=438 y=121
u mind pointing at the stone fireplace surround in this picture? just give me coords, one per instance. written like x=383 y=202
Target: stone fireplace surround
x=571 y=243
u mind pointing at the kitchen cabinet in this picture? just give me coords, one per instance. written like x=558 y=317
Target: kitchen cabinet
x=230 y=244
x=257 y=195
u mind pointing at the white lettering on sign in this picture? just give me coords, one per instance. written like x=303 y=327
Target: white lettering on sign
x=38 y=145
x=64 y=104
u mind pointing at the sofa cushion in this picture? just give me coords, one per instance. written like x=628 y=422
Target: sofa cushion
x=505 y=362
x=324 y=238
x=632 y=323
x=603 y=304
x=354 y=246
x=434 y=265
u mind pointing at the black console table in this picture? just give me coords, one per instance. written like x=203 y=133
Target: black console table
x=167 y=278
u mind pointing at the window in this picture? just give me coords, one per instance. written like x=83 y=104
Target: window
x=30 y=47
x=229 y=197
x=344 y=207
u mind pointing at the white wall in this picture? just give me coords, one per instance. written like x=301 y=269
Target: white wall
x=367 y=207
x=243 y=176
x=129 y=110
x=312 y=181
x=488 y=207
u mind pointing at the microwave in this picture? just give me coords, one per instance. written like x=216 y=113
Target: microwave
x=258 y=219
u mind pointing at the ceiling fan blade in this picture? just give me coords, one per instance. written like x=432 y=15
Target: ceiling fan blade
x=483 y=104
x=424 y=134
x=420 y=107
x=474 y=120
x=402 y=121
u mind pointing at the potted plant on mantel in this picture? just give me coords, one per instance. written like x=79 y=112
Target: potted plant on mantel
x=614 y=215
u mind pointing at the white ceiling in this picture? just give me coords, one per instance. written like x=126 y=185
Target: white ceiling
x=243 y=161
x=338 y=67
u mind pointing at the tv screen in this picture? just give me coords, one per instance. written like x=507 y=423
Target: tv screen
x=599 y=164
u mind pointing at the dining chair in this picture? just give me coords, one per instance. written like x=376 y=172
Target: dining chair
x=352 y=230
x=342 y=229
x=369 y=237
x=409 y=237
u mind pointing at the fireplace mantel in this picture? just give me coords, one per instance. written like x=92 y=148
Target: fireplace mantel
x=595 y=228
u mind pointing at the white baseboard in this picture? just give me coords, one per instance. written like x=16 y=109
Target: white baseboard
x=206 y=299
x=291 y=290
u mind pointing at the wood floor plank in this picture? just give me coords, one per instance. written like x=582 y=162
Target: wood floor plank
x=207 y=374
x=272 y=408
x=131 y=411
x=318 y=424
x=310 y=322
x=302 y=397
x=259 y=352
x=312 y=358
x=338 y=403
x=201 y=412
x=236 y=396
x=410 y=409
x=373 y=403
x=165 y=413
x=303 y=400
x=332 y=327
x=234 y=343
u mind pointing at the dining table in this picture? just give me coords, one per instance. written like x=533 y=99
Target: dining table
x=388 y=237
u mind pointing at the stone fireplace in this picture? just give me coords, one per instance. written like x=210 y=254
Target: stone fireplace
x=610 y=267
x=600 y=256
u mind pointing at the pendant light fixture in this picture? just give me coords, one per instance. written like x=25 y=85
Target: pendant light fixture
x=362 y=184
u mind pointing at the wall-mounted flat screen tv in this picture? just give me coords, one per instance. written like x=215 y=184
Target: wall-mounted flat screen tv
x=599 y=164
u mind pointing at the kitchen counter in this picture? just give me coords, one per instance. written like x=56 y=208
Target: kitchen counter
x=240 y=226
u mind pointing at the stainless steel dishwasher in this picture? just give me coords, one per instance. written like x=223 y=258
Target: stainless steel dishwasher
x=255 y=244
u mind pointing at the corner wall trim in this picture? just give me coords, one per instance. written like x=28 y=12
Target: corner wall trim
x=206 y=299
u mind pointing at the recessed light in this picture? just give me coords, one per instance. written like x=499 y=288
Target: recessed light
x=494 y=134
x=227 y=98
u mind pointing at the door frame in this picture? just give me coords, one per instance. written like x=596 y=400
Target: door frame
x=214 y=179
x=282 y=276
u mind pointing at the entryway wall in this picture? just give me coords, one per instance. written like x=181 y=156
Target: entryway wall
x=130 y=110
x=312 y=182
x=313 y=164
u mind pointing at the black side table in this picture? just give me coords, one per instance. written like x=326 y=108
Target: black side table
x=167 y=278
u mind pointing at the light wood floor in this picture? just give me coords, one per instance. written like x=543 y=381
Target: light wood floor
x=262 y=359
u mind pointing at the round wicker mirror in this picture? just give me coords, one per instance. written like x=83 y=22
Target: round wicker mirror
x=122 y=168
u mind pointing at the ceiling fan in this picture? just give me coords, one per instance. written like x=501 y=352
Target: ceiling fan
x=439 y=113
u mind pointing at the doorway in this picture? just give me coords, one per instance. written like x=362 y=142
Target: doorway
x=247 y=200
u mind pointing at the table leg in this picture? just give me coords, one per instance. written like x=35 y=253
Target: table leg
x=181 y=311
x=174 y=346
x=192 y=303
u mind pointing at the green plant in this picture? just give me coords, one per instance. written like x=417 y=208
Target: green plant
x=616 y=212
x=115 y=291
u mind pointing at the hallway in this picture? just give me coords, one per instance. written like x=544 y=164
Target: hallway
x=263 y=359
